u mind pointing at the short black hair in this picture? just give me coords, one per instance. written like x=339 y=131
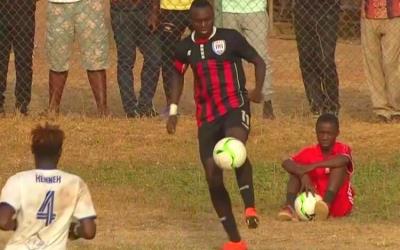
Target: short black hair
x=47 y=141
x=328 y=118
x=200 y=4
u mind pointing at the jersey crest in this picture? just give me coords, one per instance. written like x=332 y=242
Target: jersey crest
x=219 y=47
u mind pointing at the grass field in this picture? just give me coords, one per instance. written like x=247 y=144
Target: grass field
x=148 y=187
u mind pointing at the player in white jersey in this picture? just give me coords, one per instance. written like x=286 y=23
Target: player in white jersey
x=41 y=205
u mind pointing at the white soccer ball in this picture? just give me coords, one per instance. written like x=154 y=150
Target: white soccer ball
x=305 y=206
x=229 y=153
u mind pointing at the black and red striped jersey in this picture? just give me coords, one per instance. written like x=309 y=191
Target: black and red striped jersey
x=219 y=78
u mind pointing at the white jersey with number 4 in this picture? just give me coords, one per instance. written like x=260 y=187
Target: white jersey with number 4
x=45 y=201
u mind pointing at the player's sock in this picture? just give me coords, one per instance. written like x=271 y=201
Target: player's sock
x=222 y=205
x=290 y=198
x=329 y=196
x=247 y=192
x=244 y=177
x=229 y=224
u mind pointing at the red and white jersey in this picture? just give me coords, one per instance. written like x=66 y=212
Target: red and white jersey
x=45 y=201
x=343 y=203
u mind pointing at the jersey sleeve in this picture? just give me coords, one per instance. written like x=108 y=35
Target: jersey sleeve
x=301 y=157
x=243 y=48
x=11 y=194
x=345 y=150
x=180 y=58
x=84 y=207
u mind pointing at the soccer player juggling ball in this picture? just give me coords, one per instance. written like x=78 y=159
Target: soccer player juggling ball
x=324 y=169
x=41 y=204
x=222 y=105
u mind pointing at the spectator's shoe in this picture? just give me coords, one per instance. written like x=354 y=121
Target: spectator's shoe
x=321 y=211
x=251 y=216
x=287 y=213
x=395 y=118
x=268 y=111
x=147 y=111
x=2 y=112
x=241 y=245
x=132 y=114
x=382 y=119
x=21 y=110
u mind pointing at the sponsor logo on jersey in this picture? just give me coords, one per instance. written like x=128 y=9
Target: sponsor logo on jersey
x=219 y=47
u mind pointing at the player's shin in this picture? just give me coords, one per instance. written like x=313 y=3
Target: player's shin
x=222 y=205
x=244 y=177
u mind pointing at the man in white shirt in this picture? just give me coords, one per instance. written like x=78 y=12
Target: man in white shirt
x=40 y=205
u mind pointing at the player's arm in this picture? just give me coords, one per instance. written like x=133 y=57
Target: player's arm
x=177 y=87
x=86 y=229
x=247 y=52
x=297 y=169
x=10 y=203
x=86 y=215
x=260 y=71
x=7 y=222
x=337 y=161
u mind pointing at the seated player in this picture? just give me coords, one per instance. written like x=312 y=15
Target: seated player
x=40 y=204
x=324 y=169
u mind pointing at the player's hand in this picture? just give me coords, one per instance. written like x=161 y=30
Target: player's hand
x=171 y=124
x=255 y=96
x=306 y=185
x=72 y=235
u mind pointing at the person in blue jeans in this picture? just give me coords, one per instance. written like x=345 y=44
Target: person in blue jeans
x=134 y=24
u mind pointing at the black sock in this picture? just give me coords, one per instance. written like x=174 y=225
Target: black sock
x=244 y=177
x=329 y=196
x=222 y=205
x=229 y=224
x=247 y=193
x=290 y=198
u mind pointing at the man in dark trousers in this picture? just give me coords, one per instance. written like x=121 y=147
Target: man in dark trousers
x=135 y=24
x=316 y=24
x=17 y=32
x=222 y=106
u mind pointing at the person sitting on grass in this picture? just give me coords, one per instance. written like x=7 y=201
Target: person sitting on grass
x=324 y=169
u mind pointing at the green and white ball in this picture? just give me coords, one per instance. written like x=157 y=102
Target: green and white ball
x=229 y=153
x=305 y=206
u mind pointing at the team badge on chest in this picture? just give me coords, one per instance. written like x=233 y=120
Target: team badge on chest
x=219 y=47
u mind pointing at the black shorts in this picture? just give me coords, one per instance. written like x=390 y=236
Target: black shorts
x=210 y=133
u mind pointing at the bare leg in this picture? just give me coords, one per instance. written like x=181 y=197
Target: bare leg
x=98 y=82
x=56 y=87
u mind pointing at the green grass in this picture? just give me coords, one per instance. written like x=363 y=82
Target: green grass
x=184 y=188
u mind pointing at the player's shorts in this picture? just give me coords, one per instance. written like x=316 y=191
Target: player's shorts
x=209 y=133
x=83 y=21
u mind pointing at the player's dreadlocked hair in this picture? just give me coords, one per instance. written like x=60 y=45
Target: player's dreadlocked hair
x=47 y=141
x=328 y=118
x=200 y=4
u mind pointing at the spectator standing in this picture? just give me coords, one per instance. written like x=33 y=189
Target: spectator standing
x=68 y=20
x=380 y=36
x=316 y=23
x=250 y=18
x=174 y=19
x=17 y=32
x=134 y=24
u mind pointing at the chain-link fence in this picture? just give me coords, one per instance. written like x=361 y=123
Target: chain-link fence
x=314 y=42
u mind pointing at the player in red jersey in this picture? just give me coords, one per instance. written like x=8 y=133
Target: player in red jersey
x=325 y=169
x=222 y=106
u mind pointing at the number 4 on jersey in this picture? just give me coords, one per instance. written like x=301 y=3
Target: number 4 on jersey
x=47 y=208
